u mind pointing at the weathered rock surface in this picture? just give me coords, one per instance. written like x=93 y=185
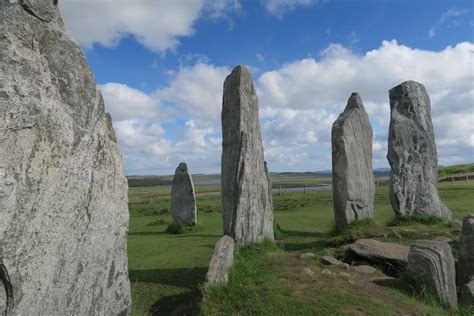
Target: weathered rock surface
x=467 y=294
x=431 y=264
x=221 y=262
x=381 y=252
x=183 y=200
x=412 y=154
x=466 y=251
x=63 y=193
x=307 y=255
x=353 y=179
x=247 y=207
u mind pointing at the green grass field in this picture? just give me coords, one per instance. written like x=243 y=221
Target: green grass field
x=166 y=270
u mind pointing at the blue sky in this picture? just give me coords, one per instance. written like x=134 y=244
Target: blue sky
x=161 y=63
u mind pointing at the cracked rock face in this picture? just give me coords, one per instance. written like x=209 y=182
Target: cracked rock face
x=183 y=201
x=353 y=179
x=63 y=193
x=431 y=264
x=247 y=207
x=466 y=251
x=412 y=154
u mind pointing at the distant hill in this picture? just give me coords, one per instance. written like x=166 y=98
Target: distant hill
x=444 y=173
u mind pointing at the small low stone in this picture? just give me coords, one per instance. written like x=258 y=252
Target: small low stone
x=327 y=271
x=455 y=223
x=444 y=238
x=345 y=274
x=383 y=281
x=467 y=294
x=307 y=271
x=307 y=255
x=328 y=260
x=365 y=269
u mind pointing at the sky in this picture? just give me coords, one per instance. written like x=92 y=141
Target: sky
x=161 y=64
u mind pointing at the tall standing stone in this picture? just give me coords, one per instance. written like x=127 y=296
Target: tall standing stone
x=412 y=154
x=247 y=207
x=183 y=200
x=63 y=192
x=353 y=178
x=466 y=251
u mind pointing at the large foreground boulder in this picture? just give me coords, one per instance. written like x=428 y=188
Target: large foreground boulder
x=221 y=262
x=431 y=264
x=353 y=179
x=412 y=154
x=63 y=193
x=183 y=200
x=247 y=207
x=466 y=251
x=384 y=253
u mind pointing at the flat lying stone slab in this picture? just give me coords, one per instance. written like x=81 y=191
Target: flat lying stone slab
x=365 y=269
x=384 y=281
x=328 y=260
x=307 y=255
x=431 y=263
x=221 y=262
x=381 y=252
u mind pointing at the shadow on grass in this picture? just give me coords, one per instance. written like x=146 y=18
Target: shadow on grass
x=294 y=233
x=186 y=303
x=146 y=233
x=185 y=277
x=197 y=235
x=179 y=304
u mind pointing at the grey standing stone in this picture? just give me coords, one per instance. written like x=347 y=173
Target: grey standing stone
x=247 y=207
x=353 y=179
x=221 y=262
x=431 y=264
x=467 y=294
x=466 y=251
x=63 y=192
x=183 y=201
x=412 y=154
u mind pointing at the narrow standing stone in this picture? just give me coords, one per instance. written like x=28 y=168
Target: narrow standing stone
x=183 y=200
x=353 y=178
x=247 y=207
x=412 y=154
x=466 y=251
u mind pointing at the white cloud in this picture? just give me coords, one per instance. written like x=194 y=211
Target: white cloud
x=197 y=90
x=451 y=13
x=125 y=103
x=322 y=87
x=156 y=24
x=298 y=104
x=280 y=7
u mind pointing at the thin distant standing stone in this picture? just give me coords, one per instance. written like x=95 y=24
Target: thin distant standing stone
x=247 y=207
x=183 y=200
x=412 y=154
x=353 y=178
